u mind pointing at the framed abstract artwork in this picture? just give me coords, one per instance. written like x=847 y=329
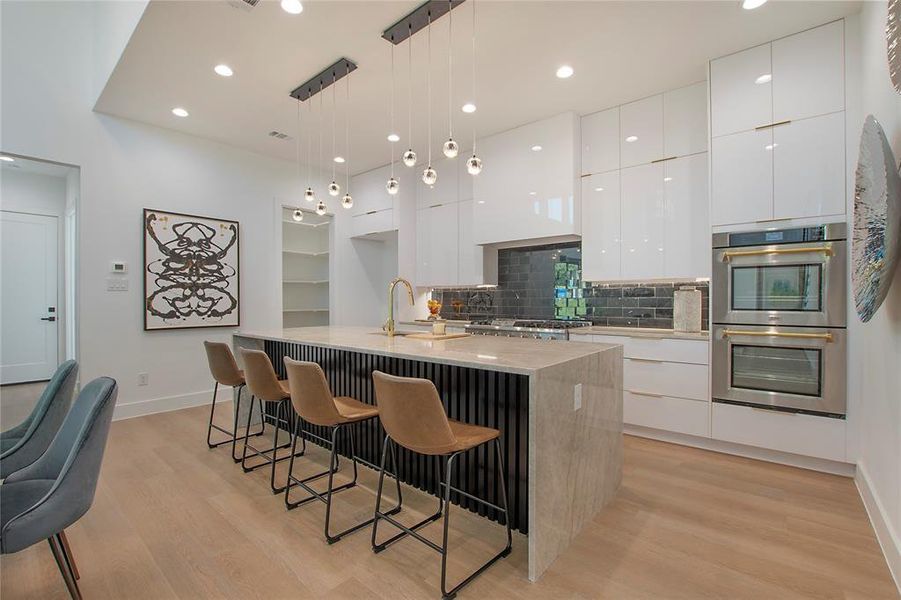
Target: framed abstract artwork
x=191 y=271
x=876 y=241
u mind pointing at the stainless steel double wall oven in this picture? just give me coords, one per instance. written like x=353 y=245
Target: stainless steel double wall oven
x=779 y=305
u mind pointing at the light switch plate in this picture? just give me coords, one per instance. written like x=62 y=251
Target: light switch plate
x=577 y=396
x=116 y=284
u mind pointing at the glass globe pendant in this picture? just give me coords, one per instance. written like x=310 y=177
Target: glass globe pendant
x=297 y=215
x=334 y=189
x=429 y=176
x=347 y=201
x=309 y=195
x=409 y=158
x=451 y=148
x=474 y=165
x=392 y=186
x=320 y=208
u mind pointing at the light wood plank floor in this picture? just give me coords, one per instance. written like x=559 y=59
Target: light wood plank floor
x=172 y=519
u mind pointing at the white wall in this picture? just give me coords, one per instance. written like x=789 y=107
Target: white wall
x=36 y=193
x=49 y=69
x=874 y=368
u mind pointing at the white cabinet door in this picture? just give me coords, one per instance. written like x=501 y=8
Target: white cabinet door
x=808 y=73
x=464 y=179
x=600 y=141
x=524 y=194
x=737 y=101
x=687 y=230
x=742 y=177
x=373 y=222
x=642 y=221
x=437 y=232
x=601 y=227
x=446 y=188
x=369 y=191
x=472 y=268
x=685 y=120
x=809 y=167
x=641 y=131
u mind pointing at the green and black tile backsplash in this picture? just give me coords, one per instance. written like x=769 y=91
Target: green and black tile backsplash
x=545 y=282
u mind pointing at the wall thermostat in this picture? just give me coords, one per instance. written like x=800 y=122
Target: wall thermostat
x=118 y=266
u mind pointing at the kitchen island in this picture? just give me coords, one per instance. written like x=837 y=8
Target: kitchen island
x=557 y=404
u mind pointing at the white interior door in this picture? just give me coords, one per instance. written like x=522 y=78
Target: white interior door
x=28 y=297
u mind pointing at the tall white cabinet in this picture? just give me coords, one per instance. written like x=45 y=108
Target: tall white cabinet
x=778 y=129
x=645 y=197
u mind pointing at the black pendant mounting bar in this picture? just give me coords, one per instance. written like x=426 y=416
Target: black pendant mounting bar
x=419 y=19
x=341 y=68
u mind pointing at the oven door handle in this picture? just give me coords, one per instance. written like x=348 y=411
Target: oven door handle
x=730 y=254
x=786 y=334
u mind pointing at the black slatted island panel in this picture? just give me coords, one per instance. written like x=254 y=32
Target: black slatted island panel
x=476 y=396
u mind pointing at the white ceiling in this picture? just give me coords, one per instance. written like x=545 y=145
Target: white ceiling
x=621 y=51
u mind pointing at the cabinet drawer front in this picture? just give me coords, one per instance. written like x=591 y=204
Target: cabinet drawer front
x=680 y=351
x=807 y=435
x=373 y=222
x=667 y=413
x=668 y=379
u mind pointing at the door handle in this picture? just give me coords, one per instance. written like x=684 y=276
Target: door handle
x=786 y=334
x=729 y=254
x=48 y=319
x=776 y=124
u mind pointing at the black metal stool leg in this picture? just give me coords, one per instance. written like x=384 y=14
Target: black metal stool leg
x=63 y=565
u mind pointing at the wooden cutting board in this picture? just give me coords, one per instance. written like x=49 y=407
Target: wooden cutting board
x=432 y=336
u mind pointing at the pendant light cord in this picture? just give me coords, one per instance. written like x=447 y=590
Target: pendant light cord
x=410 y=86
x=347 y=134
x=474 y=74
x=391 y=111
x=320 y=129
x=450 y=69
x=429 y=86
x=334 y=110
x=310 y=141
x=297 y=149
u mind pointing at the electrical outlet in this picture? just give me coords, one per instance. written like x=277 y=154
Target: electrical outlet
x=116 y=284
x=577 y=396
x=143 y=378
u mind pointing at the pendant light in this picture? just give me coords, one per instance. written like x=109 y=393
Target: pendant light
x=474 y=163
x=333 y=188
x=450 y=147
x=347 y=201
x=392 y=185
x=320 y=206
x=309 y=195
x=298 y=214
x=429 y=175
x=409 y=156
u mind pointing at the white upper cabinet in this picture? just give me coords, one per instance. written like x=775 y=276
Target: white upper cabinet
x=642 y=218
x=437 y=241
x=600 y=141
x=641 y=131
x=478 y=264
x=601 y=227
x=740 y=91
x=527 y=187
x=369 y=191
x=686 y=251
x=446 y=188
x=684 y=121
x=808 y=73
x=742 y=177
x=809 y=167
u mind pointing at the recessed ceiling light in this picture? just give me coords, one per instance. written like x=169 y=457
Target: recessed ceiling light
x=7 y=158
x=770 y=146
x=179 y=112
x=752 y=4
x=765 y=78
x=469 y=107
x=533 y=193
x=632 y=138
x=339 y=159
x=292 y=6
x=667 y=179
x=599 y=189
x=536 y=148
x=565 y=72
x=224 y=70
x=393 y=137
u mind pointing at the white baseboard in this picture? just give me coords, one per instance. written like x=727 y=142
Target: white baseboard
x=168 y=403
x=885 y=533
x=774 y=456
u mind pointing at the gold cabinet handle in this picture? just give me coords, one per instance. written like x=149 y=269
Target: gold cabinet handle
x=649 y=394
x=776 y=124
x=786 y=334
x=729 y=254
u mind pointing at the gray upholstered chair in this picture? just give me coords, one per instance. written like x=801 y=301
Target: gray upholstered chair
x=40 y=501
x=24 y=443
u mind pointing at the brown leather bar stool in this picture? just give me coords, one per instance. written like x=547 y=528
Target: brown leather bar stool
x=265 y=386
x=225 y=371
x=412 y=414
x=314 y=403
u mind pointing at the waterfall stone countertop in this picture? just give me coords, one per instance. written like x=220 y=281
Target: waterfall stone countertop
x=505 y=354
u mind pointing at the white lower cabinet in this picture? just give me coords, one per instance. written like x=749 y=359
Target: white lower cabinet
x=683 y=380
x=807 y=435
x=668 y=413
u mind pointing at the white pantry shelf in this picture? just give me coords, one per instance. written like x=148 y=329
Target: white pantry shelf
x=295 y=310
x=303 y=253
x=307 y=281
